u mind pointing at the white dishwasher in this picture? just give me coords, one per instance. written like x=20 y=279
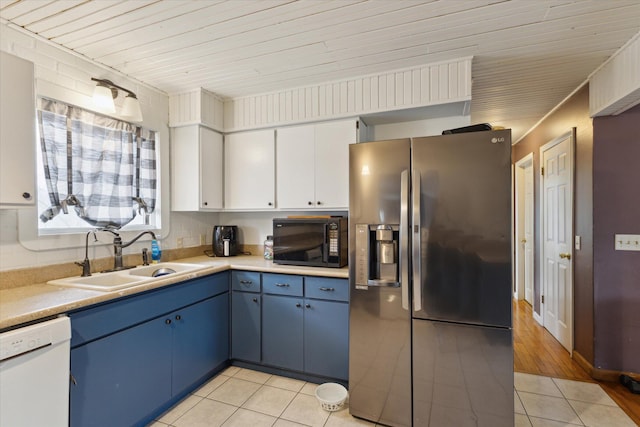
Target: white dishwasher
x=34 y=375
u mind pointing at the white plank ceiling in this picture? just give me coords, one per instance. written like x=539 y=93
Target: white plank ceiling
x=528 y=54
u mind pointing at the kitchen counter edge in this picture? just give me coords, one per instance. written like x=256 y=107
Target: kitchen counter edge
x=29 y=304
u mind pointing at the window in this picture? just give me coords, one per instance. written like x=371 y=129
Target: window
x=93 y=171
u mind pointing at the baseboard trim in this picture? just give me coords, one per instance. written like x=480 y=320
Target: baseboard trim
x=601 y=374
x=537 y=318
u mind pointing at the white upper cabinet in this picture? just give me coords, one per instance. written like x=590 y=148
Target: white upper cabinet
x=17 y=132
x=197 y=169
x=295 y=176
x=249 y=182
x=313 y=165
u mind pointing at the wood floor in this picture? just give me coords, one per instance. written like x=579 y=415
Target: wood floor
x=537 y=352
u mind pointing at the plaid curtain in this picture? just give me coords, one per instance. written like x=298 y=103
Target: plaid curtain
x=103 y=167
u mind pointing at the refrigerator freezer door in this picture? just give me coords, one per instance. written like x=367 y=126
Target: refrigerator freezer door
x=464 y=239
x=462 y=375
x=380 y=328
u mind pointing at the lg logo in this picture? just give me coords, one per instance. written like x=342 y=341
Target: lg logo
x=496 y=140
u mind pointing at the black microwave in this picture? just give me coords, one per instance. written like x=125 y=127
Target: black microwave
x=318 y=242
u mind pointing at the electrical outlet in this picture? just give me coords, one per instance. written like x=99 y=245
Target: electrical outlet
x=180 y=242
x=627 y=242
x=203 y=239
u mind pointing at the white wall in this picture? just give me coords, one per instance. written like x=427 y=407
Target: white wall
x=426 y=127
x=254 y=227
x=62 y=75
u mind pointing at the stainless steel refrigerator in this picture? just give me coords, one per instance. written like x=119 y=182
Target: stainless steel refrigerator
x=430 y=278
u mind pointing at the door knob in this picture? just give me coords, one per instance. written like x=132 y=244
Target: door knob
x=565 y=256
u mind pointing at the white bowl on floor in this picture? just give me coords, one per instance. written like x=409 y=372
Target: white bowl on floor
x=331 y=396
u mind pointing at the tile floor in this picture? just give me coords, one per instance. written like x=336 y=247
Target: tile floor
x=240 y=397
x=552 y=402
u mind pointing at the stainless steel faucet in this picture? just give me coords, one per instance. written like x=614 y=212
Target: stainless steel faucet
x=85 y=264
x=118 y=245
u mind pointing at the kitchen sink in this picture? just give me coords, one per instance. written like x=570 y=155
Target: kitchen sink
x=164 y=269
x=117 y=280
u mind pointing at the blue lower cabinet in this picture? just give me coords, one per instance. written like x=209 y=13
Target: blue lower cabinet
x=200 y=341
x=120 y=379
x=126 y=372
x=326 y=338
x=282 y=331
x=245 y=326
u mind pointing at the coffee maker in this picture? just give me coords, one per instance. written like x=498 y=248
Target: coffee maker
x=225 y=240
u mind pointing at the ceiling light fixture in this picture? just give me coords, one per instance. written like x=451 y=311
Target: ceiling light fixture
x=106 y=91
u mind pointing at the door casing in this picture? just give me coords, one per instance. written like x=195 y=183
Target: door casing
x=524 y=216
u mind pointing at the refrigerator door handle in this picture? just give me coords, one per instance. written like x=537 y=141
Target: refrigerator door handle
x=416 y=242
x=404 y=238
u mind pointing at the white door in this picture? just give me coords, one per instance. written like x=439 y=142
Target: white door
x=524 y=228
x=17 y=132
x=332 y=163
x=211 y=168
x=557 y=235
x=295 y=170
x=249 y=170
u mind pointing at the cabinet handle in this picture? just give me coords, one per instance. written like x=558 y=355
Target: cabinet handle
x=245 y=282
x=255 y=300
x=205 y=203
x=308 y=305
x=168 y=321
x=72 y=379
x=319 y=203
x=310 y=203
x=282 y=285
x=178 y=317
x=26 y=195
x=298 y=305
x=270 y=203
x=327 y=289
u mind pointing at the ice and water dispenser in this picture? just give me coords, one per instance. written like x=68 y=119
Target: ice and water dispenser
x=377 y=262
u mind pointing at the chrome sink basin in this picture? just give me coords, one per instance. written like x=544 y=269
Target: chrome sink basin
x=164 y=269
x=117 y=280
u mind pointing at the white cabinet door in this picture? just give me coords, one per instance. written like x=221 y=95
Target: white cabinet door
x=196 y=162
x=295 y=172
x=332 y=141
x=17 y=132
x=249 y=170
x=211 y=169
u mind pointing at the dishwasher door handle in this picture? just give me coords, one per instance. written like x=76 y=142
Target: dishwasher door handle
x=31 y=350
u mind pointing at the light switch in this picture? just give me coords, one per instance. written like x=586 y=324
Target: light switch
x=627 y=242
x=576 y=243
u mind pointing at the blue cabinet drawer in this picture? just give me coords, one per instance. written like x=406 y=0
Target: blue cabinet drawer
x=93 y=323
x=246 y=281
x=326 y=288
x=282 y=284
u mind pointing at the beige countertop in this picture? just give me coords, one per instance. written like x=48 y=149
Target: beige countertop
x=40 y=301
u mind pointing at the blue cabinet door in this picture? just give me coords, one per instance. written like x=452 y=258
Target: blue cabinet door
x=326 y=338
x=200 y=341
x=245 y=326
x=282 y=330
x=122 y=378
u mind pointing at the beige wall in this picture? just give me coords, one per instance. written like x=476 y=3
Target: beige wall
x=574 y=112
